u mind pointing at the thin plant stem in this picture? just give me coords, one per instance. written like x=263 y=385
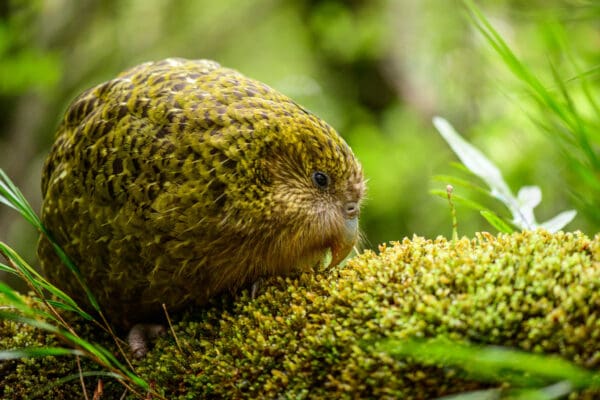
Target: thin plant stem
x=164 y=306
x=449 y=190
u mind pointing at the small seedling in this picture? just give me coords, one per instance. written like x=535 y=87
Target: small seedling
x=521 y=206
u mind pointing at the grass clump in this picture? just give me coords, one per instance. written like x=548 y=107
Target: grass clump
x=325 y=335
x=46 y=308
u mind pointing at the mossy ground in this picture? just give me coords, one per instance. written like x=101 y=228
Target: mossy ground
x=311 y=336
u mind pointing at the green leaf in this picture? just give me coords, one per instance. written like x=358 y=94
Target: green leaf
x=496 y=222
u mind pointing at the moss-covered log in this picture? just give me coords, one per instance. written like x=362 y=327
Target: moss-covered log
x=311 y=337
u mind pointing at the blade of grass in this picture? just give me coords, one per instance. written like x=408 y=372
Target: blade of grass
x=128 y=372
x=492 y=362
x=12 y=196
x=10 y=296
x=557 y=391
x=579 y=129
x=34 y=352
x=68 y=307
x=29 y=273
x=8 y=269
x=73 y=268
x=37 y=281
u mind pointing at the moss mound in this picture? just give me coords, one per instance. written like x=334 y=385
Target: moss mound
x=306 y=337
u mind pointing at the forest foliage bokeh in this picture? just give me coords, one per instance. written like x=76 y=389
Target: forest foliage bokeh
x=376 y=70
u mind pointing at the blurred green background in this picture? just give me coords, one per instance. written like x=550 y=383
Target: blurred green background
x=376 y=70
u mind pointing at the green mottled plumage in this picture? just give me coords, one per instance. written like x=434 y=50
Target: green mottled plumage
x=180 y=179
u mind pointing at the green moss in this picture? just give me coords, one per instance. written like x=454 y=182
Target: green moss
x=305 y=337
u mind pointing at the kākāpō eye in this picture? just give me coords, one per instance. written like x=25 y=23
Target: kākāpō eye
x=321 y=180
